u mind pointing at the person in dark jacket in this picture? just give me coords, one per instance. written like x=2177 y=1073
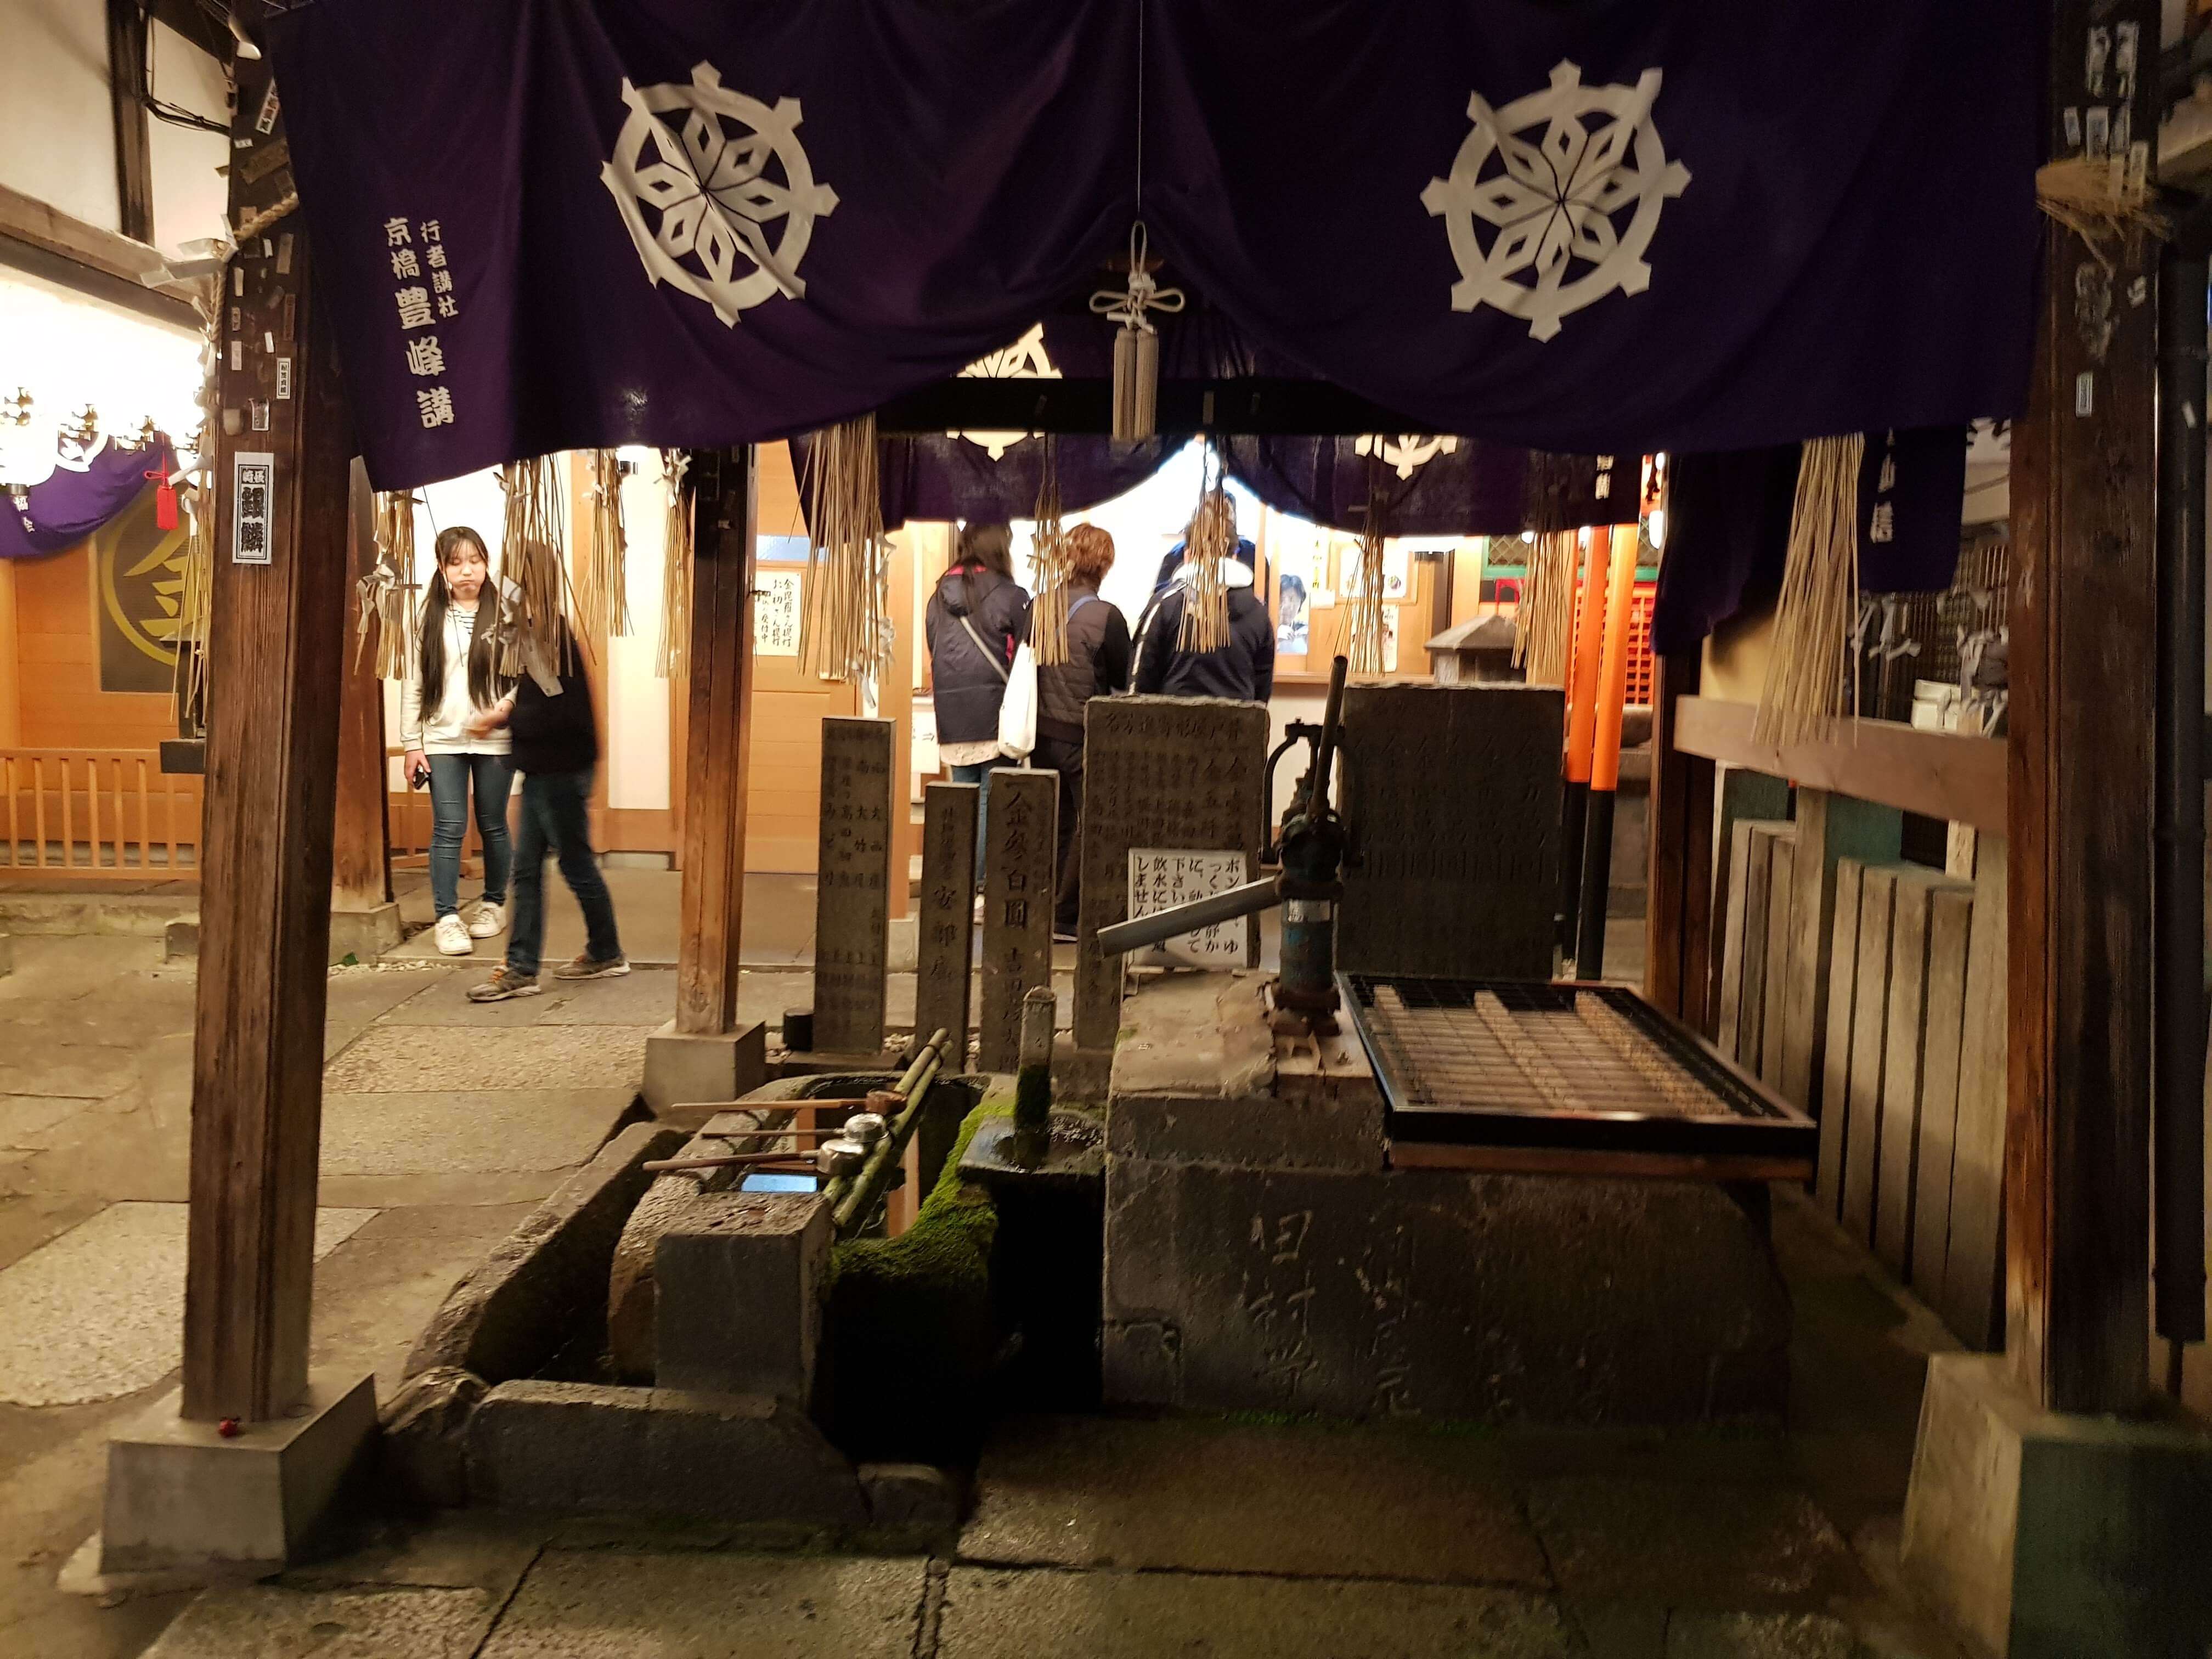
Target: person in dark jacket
x=556 y=745
x=1243 y=669
x=976 y=618
x=1097 y=666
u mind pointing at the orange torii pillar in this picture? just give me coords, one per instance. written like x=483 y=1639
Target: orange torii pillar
x=1581 y=730
x=1605 y=755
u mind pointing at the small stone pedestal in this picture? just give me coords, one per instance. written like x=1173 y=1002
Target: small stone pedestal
x=364 y=935
x=2044 y=1536
x=682 y=1069
x=181 y=1499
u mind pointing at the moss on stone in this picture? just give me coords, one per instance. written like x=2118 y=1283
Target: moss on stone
x=913 y=1337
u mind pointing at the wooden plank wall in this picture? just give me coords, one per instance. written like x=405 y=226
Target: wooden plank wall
x=58 y=653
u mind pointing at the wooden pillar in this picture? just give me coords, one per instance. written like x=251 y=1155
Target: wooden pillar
x=360 y=860
x=128 y=26
x=2077 y=1163
x=718 y=733
x=274 y=669
x=1678 y=926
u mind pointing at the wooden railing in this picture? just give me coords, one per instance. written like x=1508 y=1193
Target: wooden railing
x=97 y=814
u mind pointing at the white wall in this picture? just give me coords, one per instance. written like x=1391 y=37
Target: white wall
x=189 y=194
x=56 y=128
x=638 y=707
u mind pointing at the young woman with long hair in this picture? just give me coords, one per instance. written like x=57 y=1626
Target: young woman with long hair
x=457 y=681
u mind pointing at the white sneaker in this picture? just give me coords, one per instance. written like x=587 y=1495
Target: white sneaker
x=453 y=936
x=489 y=920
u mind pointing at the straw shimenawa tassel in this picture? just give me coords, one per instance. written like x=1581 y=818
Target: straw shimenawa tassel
x=388 y=589
x=844 y=628
x=534 y=575
x=1211 y=538
x=1051 y=551
x=1812 y=620
x=190 y=682
x=1544 y=621
x=603 y=580
x=1363 y=622
x=674 y=662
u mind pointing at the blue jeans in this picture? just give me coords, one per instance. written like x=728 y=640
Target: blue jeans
x=451 y=778
x=980 y=776
x=557 y=818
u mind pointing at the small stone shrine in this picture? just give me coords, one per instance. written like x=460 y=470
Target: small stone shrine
x=1452 y=796
x=852 y=901
x=1176 y=773
x=944 y=929
x=1021 y=833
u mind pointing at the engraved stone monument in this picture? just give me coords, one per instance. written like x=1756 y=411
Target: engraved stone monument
x=1452 y=795
x=852 y=901
x=1017 y=893
x=945 y=930
x=1160 y=772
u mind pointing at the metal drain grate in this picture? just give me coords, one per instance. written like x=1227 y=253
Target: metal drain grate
x=1537 y=1065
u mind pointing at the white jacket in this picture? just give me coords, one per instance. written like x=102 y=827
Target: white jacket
x=445 y=733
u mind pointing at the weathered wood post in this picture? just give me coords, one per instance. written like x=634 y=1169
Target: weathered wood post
x=364 y=921
x=182 y=1490
x=703 y=1054
x=2043 y=1519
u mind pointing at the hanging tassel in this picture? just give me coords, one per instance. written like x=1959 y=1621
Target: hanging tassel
x=844 y=627
x=534 y=574
x=1806 y=682
x=1211 y=538
x=674 y=661
x=388 y=591
x=1137 y=345
x=1049 y=612
x=1363 y=622
x=190 y=682
x=1544 y=621
x=603 y=582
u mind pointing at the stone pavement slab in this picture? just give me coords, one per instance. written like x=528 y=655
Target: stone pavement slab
x=98 y=1312
x=390 y=1059
x=265 y=1622
x=997 y=1614
x=1761 y=1636
x=1211 y=1496
x=27 y=1122
x=81 y=1071
x=456 y=1549
x=622 y=1604
x=420 y=1132
x=1678 y=1544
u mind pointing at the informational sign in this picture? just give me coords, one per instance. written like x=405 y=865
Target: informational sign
x=252 y=506
x=1162 y=878
x=775 y=613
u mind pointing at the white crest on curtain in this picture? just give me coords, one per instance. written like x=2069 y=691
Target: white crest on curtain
x=1406 y=451
x=1556 y=199
x=729 y=184
x=1025 y=360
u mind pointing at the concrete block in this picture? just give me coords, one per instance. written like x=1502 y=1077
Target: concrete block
x=181 y=1498
x=584 y=1448
x=912 y=1499
x=681 y=1069
x=545 y=1284
x=2043 y=1535
x=741 y=1278
x=364 y=935
x=1421 y=1292
x=180 y=938
x=426 y=1436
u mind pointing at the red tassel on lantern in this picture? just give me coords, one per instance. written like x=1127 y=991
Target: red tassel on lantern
x=164 y=502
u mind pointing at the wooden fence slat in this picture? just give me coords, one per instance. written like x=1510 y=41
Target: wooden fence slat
x=39 y=806
x=1973 y=1283
x=1836 y=1062
x=1869 y=1037
x=1775 y=1013
x=1950 y=924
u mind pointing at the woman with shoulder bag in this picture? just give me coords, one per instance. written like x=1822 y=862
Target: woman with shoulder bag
x=1097 y=666
x=977 y=621
x=457 y=679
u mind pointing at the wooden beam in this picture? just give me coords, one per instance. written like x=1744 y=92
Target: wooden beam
x=360 y=859
x=275 y=668
x=126 y=82
x=1939 y=774
x=1679 y=906
x=36 y=239
x=718 y=735
x=2077 y=1159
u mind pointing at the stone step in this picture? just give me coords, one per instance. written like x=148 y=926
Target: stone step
x=137 y=913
